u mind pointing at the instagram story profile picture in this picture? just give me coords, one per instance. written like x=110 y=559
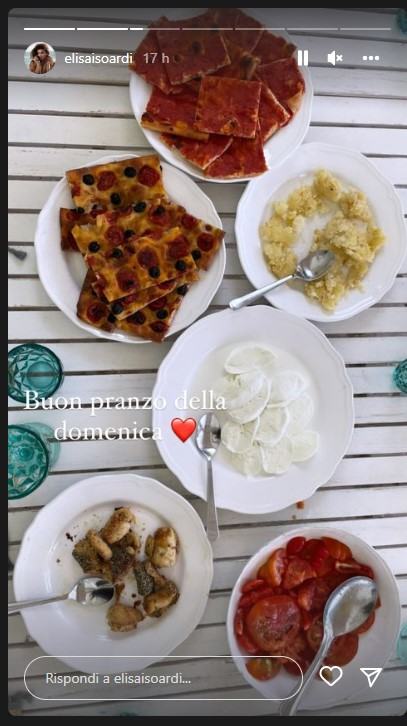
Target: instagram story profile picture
x=39 y=58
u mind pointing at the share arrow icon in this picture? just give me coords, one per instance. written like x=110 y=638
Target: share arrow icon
x=371 y=674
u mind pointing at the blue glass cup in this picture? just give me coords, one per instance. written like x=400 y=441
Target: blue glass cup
x=400 y=376
x=32 y=451
x=32 y=367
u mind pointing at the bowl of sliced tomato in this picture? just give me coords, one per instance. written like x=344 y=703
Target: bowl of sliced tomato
x=276 y=609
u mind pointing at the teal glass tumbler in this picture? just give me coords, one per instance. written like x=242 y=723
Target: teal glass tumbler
x=32 y=367
x=32 y=451
x=400 y=376
x=402 y=644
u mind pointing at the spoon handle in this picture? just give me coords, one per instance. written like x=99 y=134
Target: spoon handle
x=241 y=302
x=15 y=607
x=212 y=529
x=290 y=705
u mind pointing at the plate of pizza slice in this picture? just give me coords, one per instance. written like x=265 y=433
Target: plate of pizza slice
x=222 y=100
x=130 y=249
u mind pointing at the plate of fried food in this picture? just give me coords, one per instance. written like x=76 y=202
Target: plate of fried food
x=332 y=198
x=218 y=95
x=140 y=237
x=133 y=532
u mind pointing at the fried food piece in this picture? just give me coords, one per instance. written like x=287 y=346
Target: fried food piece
x=118 y=525
x=159 y=580
x=89 y=560
x=99 y=545
x=123 y=557
x=161 y=548
x=122 y=618
x=159 y=601
x=145 y=582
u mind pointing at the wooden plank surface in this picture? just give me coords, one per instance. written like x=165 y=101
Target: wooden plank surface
x=81 y=115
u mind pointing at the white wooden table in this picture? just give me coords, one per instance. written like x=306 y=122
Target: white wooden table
x=82 y=112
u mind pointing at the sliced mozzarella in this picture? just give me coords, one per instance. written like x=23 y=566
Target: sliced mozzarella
x=248 y=463
x=238 y=437
x=272 y=426
x=301 y=412
x=304 y=445
x=287 y=386
x=236 y=391
x=247 y=357
x=277 y=459
x=254 y=407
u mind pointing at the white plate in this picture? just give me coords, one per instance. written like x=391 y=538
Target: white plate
x=195 y=362
x=62 y=272
x=352 y=168
x=276 y=149
x=375 y=647
x=68 y=630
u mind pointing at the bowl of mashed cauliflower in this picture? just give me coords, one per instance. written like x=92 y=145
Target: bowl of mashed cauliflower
x=323 y=197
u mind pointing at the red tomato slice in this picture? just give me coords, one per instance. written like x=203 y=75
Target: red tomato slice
x=314 y=633
x=306 y=620
x=298 y=570
x=342 y=650
x=305 y=595
x=262 y=572
x=253 y=585
x=321 y=560
x=238 y=622
x=351 y=567
x=247 y=644
x=309 y=548
x=337 y=550
x=301 y=652
x=295 y=545
x=264 y=669
x=366 y=625
x=273 y=622
x=250 y=598
x=276 y=565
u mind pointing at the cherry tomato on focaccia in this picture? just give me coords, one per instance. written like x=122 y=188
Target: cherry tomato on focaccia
x=264 y=669
x=273 y=622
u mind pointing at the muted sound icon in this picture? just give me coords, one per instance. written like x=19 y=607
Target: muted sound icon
x=333 y=57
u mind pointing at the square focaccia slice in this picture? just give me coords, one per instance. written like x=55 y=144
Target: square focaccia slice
x=116 y=184
x=133 y=266
x=150 y=219
x=153 y=322
x=91 y=308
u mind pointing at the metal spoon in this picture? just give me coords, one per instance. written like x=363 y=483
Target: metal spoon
x=207 y=440
x=312 y=267
x=87 y=591
x=345 y=610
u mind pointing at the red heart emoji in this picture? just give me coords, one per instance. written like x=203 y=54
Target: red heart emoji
x=183 y=429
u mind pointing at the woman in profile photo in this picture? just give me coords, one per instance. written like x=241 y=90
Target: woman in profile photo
x=41 y=59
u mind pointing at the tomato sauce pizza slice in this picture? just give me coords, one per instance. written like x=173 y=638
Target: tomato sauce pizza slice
x=242 y=63
x=284 y=79
x=228 y=106
x=273 y=47
x=192 y=51
x=244 y=157
x=238 y=27
x=134 y=266
x=173 y=114
x=199 y=153
x=116 y=184
x=151 y=67
x=272 y=115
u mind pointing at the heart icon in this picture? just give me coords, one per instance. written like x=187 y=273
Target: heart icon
x=183 y=429
x=327 y=674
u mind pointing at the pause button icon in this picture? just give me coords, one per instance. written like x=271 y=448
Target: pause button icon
x=302 y=57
